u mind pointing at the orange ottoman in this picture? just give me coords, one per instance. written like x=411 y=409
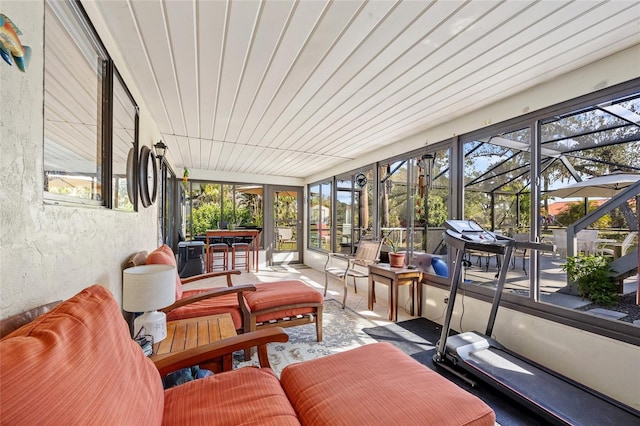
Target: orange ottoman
x=378 y=384
x=284 y=304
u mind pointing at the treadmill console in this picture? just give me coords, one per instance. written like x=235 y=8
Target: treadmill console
x=471 y=231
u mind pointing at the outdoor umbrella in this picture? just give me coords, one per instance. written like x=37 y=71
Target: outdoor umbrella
x=601 y=186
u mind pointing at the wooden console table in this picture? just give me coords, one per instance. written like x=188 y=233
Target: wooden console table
x=394 y=278
x=228 y=233
x=195 y=332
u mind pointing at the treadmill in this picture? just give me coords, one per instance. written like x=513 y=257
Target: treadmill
x=555 y=398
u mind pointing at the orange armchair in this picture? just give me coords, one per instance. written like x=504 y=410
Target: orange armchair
x=196 y=303
x=284 y=303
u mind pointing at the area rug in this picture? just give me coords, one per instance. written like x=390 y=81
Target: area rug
x=418 y=338
x=341 y=330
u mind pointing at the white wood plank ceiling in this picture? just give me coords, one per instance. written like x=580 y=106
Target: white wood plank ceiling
x=291 y=88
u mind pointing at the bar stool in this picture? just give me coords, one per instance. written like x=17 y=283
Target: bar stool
x=241 y=252
x=218 y=251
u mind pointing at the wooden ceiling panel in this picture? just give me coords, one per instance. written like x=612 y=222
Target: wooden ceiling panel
x=183 y=50
x=363 y=25
x=243 y=18
x=152 y=19
x=211 y=21
x=295 y=36
x=376 y=69
x=448 y=81
x=292 y=88
x=274 y=18
x=322 y=39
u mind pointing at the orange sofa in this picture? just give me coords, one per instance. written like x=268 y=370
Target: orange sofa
x=78 y=365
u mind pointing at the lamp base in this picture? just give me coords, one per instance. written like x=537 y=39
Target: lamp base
x=154 y=323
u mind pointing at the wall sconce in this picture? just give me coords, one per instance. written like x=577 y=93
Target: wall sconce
x=160 y=149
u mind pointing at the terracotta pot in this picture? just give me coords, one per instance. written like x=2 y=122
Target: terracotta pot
x=396 y=260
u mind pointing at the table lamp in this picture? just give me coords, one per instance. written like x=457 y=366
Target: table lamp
x=148 y=288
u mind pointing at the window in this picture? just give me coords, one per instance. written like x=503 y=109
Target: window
x=320 y=204
x=90 y=118
x=354 y=209
x=213 y=205
x=497 y=196
x=125 y=146
x=595 y=135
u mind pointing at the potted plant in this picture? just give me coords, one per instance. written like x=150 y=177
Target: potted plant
x=396 y=260
x=592 y=275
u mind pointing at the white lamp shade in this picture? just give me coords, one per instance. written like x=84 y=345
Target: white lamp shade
x=148 y=287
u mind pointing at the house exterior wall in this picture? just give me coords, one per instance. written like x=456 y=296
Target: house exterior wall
x=50 y=252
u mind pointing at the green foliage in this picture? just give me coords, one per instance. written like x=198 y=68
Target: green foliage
x=391 y=243
x=591 y=274
x=576 y=212
x=204 y=218
x=438 y=211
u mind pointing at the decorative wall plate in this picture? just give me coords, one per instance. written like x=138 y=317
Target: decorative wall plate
x=148 y=176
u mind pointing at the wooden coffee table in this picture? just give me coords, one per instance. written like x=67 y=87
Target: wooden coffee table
x=194 y=332
x=394 y=278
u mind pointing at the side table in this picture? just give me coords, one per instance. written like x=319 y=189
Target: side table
x=195 y=332
x=394 y=278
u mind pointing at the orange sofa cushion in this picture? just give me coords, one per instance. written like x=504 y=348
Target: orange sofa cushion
x=213 y=306
x=77 y=364
x=378 y=384
x=245 y=396
x=163 y=255
x=281 y=293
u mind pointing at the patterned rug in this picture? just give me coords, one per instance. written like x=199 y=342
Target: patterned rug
x=341 y=330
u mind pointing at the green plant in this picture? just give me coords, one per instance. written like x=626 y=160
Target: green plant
x=392 y=244
x=592 y=275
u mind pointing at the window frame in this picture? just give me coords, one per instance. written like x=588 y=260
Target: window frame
x=330 y=183
x=617 y=330
x=105 y=106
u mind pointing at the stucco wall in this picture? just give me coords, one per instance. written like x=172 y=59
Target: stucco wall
x=50 y=252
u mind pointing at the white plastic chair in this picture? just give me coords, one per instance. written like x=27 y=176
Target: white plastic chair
x=587 y=241
x=560 y=241
x=624 y=245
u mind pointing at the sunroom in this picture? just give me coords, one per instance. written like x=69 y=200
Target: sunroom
x=321 y=123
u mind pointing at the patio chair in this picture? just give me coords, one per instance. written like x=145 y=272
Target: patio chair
x=560 y=241
x=624 y=245
x=285 y=236
x=587 y=241
x=519 y=252
x=368 y=253
x=251 y=306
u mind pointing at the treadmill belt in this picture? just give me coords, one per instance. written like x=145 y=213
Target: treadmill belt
x=553 y=395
